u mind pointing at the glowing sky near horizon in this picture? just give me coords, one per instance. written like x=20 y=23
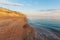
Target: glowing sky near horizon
x=32 y=6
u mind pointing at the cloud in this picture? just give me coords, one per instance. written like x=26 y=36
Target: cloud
x=7 y=2
x=46 y=14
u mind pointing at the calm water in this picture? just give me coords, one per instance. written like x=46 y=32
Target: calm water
x=48 y=29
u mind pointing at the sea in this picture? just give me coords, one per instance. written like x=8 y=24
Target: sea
x=46 y=29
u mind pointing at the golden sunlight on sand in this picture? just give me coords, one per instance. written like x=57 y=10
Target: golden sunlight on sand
x=14 y=26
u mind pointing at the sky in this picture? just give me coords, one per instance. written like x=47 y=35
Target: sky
x=30 y=6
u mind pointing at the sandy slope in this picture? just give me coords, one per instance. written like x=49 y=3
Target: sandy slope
x=14 y=26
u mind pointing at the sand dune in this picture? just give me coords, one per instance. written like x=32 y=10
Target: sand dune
x=14 y=26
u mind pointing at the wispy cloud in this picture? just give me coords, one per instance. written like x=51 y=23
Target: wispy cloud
x=7 y=2
x=52 y=14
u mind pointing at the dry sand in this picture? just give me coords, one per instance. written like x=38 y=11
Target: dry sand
x=14 y=26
